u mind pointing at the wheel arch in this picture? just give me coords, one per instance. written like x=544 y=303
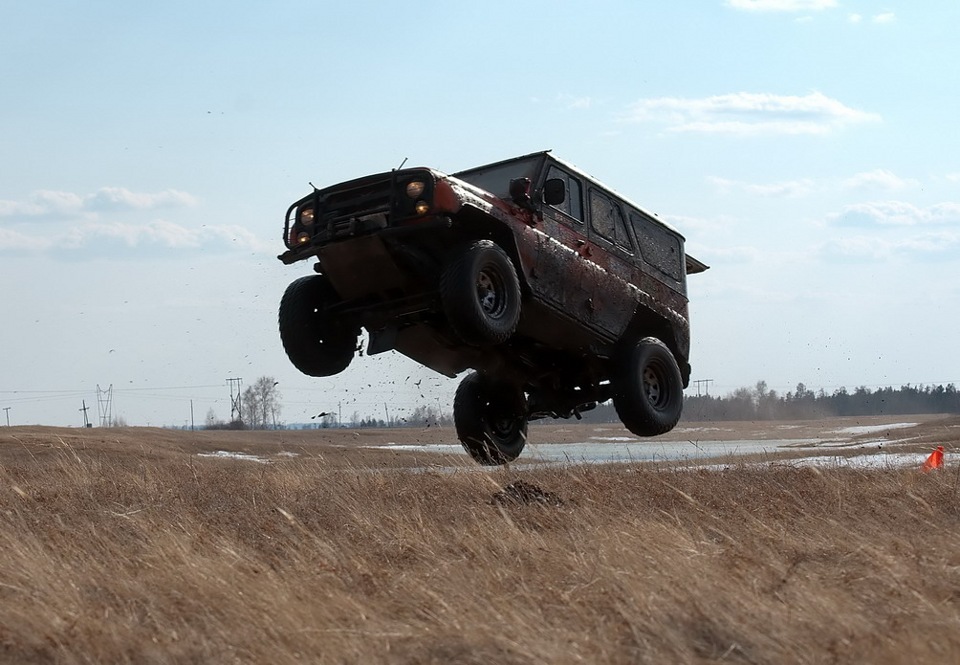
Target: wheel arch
x=480 y=225
x=647 y=323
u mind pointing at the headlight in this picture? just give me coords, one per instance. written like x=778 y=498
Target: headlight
x=422 y=208
x=303 y=237
x=306 y=216
x=415 y=188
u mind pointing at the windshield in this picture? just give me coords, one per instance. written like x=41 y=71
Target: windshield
x=495 y=178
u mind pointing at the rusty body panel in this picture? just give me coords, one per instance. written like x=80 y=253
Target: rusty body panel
x=564 y=268
x=383 y=241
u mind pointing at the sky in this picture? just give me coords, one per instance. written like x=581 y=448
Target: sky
x=806 y=149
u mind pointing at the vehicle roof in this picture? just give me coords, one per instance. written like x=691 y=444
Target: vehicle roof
x=693 y=266
x=580 y=172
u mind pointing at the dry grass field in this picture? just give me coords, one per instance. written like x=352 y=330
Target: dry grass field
x=125 y=546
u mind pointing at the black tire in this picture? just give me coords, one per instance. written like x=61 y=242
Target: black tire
x=316 y=344
x=480 y=293
x=491 y=419
x=648 y=388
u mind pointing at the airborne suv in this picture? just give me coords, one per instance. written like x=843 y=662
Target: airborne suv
x=557 y=292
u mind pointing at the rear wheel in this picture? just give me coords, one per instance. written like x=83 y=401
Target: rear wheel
x=316 y=343
x=648 y=388
x=480 y=293
x=491 y=419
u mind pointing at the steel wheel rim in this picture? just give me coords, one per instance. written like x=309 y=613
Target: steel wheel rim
x=490 y=294
x=653 y=387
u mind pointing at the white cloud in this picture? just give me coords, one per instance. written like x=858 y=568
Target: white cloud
x=871 y=247
x=118 y=198
x=749 y=114
x=166 y=235
x=573 y=102
x=886 y=17
x=15 y=241
x=781 y=5
x=739 y=254
x=855 y=18
x=41 y=203
x=121 y=240
x=702 y=226
x=896 y=213
x=953 y=177
x=879 y=178
x=783 y=189
x=44 y=203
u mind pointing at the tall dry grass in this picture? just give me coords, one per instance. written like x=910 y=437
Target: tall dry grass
x=156 y=559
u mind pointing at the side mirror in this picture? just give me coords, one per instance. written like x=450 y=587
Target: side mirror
x=554 y=192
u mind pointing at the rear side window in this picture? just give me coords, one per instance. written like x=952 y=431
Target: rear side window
x=658 y=246
x=606 y=218
x=572 y=205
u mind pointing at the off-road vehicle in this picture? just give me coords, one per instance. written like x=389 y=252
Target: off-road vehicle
x=557 y=292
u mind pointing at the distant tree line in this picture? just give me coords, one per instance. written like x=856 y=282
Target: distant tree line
x=761 y=403
x=423 y=415
x=261 y=407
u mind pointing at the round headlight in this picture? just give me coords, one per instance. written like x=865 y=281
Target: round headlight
x=422 y=207
x=415 y=188
x=306 y=216
x=303 y=237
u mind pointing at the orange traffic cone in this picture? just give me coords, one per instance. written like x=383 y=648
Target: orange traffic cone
x=935 y=461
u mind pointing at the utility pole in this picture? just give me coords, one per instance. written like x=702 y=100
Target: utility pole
x=86 y=421
x=7 y=409
x=704 y=382
x=191 y=415
x=235 y=402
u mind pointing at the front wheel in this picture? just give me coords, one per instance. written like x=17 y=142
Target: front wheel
x=648 y=388
x=316 y=343
x=491 y=419
x=480 y=292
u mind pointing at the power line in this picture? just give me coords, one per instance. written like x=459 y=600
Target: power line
x=133 y=390
x=81 y=390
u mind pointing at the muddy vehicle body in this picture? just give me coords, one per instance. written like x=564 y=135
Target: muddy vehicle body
x=558 y=293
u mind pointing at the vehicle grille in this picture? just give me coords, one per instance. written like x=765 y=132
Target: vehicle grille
x=341 y=207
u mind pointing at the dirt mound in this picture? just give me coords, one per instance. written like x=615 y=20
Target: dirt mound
x=520 y=492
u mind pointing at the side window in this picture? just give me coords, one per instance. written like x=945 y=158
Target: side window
x=658 y=246
x=572 y=205
x=606 y=218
